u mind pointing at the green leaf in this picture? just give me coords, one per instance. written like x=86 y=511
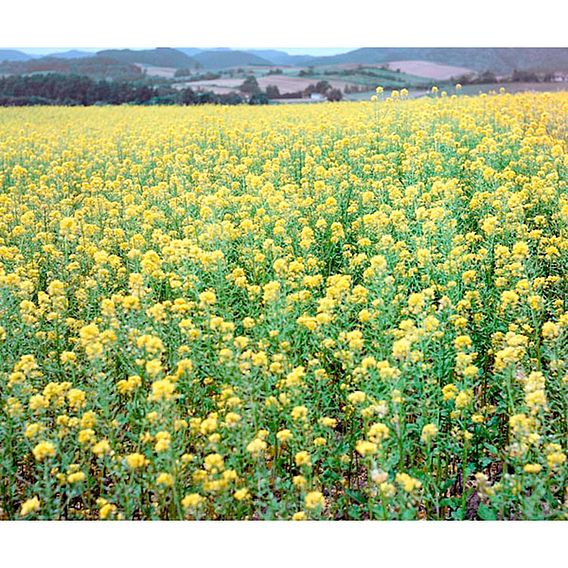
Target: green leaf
x=458 y=515
x=356 y=496
x=448 y=502
x=354 y=513
x=486 y=513
x=491 y=448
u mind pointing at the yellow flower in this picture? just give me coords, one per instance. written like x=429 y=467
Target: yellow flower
x=192 y=501
x=463 y=399
x=328 y=422
x=550 y=330
x=196 y=297
x=207 y=298
x=136 y=461
x=242 y=494
x=163 y=441
x=271 y=291
x=303 y=458
x=38 y=401
x=356 y=397
x=532 y=468
x=86 y=436
x=153 y=368
x=299 y=481
x=43 y=450
x=409 y=484
x=314 y=499
x=284 y=435
x=30 y=506
x=429 y=431
x=462 y=342
x=32 y=430
x=378 y=432
x=450 y=391
x=555 y=459
x=76 y=477
x=401 y=348
x=214 y=463
x=162 y=390
x=232 y=418
x=256 y=447
x=165 y=479
x=106 y=511
x=366 y=448
x=101 y=448
x=299 y=413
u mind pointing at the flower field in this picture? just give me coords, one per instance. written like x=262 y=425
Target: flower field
x=335 y=311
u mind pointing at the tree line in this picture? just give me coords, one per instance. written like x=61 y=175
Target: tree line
x=78 y=90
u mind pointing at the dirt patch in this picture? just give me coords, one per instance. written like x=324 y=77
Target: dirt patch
x=293 y=84
x=151 y=71
x=428 y=69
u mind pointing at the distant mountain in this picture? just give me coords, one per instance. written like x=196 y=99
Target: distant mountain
x=160 y=57
x=71 y=54
x=14 y=55
x=191 y=51
x=496 y=59
x=225 y=59
x=501 y=61
x=281 y=57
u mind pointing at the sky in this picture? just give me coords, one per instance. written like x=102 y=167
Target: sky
x=290 y=50
x=314 y=50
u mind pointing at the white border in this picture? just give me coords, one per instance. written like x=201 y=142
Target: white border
x=293 y=23
x=313 y=544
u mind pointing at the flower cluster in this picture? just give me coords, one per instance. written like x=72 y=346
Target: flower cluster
x=293 y=312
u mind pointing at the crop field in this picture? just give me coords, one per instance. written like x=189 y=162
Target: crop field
x=285 y=83
x=335 y=311
x=430 y=70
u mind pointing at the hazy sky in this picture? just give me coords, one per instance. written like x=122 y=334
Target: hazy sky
x=290 y=50
x=314 y=50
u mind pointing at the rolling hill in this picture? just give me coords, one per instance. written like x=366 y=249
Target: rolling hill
x=224 y=59
x=191 y=51
x=281 y=57
x=14 y=55
x=71 y=54
x=160 y=57
x=501 y=61
x=498 y=60
x=94 y=67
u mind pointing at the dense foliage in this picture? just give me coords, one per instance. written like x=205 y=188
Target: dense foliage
x=94 y=67
x=55 y=89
